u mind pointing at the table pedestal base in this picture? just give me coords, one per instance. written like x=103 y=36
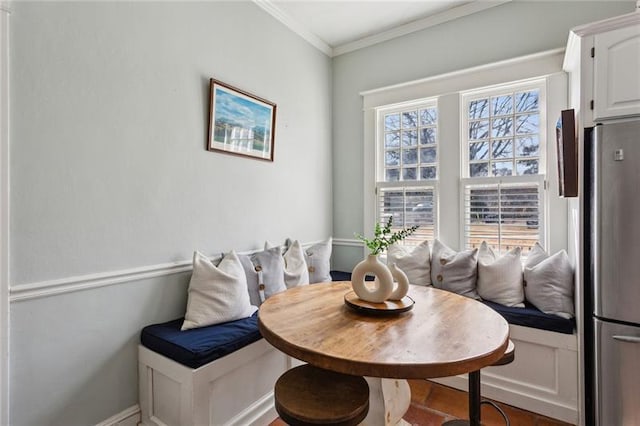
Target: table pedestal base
x=389 y=400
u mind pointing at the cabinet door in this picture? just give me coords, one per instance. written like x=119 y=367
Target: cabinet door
x=616 y=86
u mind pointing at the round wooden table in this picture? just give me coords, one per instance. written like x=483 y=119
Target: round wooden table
x=444 y=334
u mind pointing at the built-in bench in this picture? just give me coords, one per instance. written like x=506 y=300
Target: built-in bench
x=224 y=374
x=218 y=375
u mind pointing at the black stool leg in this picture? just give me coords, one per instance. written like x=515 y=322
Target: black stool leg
x=474 y=403
x=474 y=398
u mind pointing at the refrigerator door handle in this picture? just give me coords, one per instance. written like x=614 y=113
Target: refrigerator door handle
x=628 y=339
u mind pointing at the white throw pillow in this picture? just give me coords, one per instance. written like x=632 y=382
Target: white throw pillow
x=536 y=255
x=454 y=271
x=318 y=258
x=415 y=262
x=548 y=282
x=295 y=267
x=217 y=294
x=500 y=278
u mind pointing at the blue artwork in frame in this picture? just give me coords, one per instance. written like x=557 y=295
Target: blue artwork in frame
x=241 y=123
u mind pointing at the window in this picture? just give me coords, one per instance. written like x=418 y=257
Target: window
x=489 y=175
x=407 y=169
x=503 y=179
x=504 y=134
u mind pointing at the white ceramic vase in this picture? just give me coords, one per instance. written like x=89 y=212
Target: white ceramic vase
x=401 y=287
x=382 y=286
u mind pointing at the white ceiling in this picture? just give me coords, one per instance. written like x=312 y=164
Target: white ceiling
x=341 y=22
x=340 y=26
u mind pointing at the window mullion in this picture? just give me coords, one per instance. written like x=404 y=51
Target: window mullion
x=500 y=219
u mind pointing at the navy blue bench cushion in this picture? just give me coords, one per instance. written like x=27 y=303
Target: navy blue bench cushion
x=340 y=276
x=529 y=316
x=200 y=346
x=346 y=276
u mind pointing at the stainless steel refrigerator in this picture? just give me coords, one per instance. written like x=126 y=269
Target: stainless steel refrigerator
x=612 y=189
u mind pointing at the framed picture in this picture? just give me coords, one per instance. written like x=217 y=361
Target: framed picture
x=240 y=123
x=567 y=150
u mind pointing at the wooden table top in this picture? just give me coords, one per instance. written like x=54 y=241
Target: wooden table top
x=443 y=335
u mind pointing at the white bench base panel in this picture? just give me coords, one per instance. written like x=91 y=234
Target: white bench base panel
x=543 y=378
x=238 y=388
x=234 y=390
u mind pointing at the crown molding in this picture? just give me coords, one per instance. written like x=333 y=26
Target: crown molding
x=439 y=18
x=420 y=24
x=608 y=24
x=294 y=26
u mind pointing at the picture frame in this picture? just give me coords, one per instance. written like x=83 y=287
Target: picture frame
x=567 y=152
x=240 y=123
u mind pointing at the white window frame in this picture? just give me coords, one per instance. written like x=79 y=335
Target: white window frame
x=379 y=182
x=466 y=97
x=446 y=87
x=4 y=213
x=380 y=133
x=486 y=92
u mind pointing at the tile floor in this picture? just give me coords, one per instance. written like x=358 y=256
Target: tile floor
x=432 y=404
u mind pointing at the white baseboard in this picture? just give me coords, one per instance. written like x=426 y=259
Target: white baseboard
x=262 y=412
x=128 y=417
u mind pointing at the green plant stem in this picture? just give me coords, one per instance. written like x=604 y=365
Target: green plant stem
x=383 y=237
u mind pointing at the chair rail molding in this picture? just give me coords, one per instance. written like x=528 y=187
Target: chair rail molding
x=21 y=292
x=4 y=213
x=347 y=242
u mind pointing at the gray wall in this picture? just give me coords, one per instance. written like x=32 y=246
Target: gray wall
x=507 y=31
x=109 y=119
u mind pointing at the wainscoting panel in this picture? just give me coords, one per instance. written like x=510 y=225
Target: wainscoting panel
x=543 y=378
x=77 y=338
x=74 y=355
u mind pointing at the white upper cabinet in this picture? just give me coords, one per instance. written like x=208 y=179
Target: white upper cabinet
x=616 y=73
x=603 y=63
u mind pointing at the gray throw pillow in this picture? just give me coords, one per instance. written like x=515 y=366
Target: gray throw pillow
x=318 y=258
x=454 y=271
x=548 y=282
x=265 y=274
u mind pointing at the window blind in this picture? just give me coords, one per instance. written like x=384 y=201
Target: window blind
x=409 y=206
x=505 y=215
